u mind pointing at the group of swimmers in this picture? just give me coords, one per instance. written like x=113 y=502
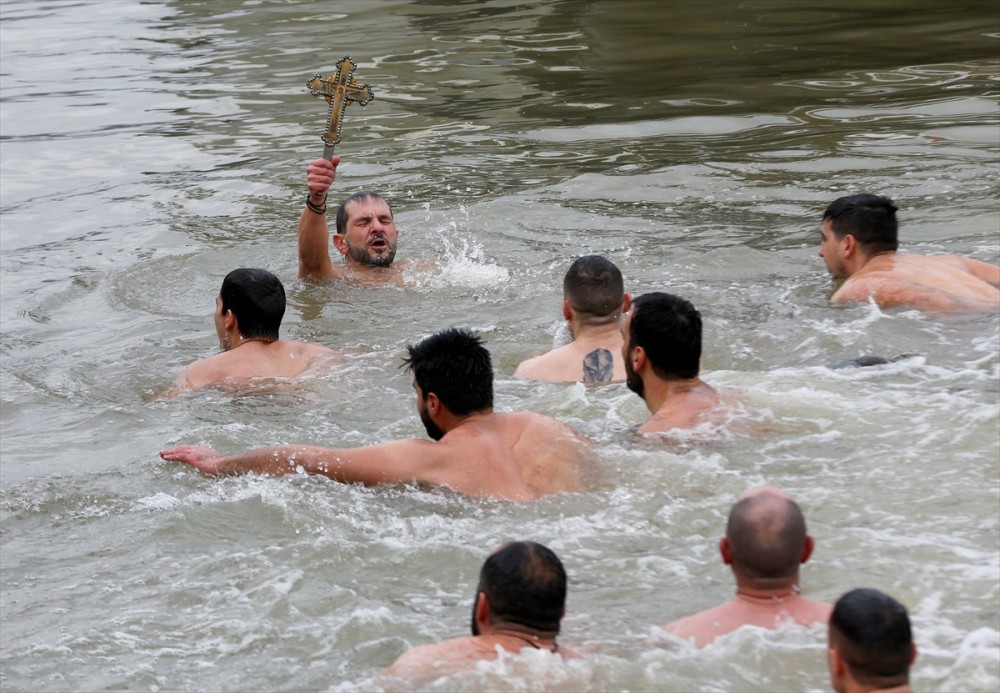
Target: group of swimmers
x=652 y=342
x=521 y=599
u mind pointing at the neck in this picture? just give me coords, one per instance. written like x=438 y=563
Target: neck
x=472 y=417
x=356 y=266
x=238 y=340
x=869 y=261
x=448 y=422
x=858 y=687
x=539 y=642
x=768 y=597
x=659 y=392
x=602 y=332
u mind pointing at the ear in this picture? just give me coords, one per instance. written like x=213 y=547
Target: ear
x=807 y=548
x=913 y=652
x=482 y=608
x=638 y=357
x=836 y=664
x=850 y=245
x=339 y=243
x=567 y=310
x=229 y=321
x=627 y=302
x=433 y=404
x=726 y=550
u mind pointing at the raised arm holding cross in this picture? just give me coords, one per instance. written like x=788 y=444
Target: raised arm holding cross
x=366 y=233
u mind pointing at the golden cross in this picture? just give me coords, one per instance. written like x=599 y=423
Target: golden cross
x=339 y=89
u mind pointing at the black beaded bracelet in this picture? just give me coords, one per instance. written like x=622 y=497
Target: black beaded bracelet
x=315 y=208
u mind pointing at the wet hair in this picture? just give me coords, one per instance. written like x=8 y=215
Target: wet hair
x=454 y=365
x=871 y=219
x=594 y=288
x=257 y=299
x=525 y=584
x=871 y=630
x=668 y=328
x=767 y=534
x=360 y=196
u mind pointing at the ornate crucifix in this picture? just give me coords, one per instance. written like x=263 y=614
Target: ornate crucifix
x=339 y=89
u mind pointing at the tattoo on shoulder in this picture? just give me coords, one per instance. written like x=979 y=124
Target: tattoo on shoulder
x=597 y=367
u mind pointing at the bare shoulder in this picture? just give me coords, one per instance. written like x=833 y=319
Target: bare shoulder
x=966 y=293
x=700 y=406
x=428 y=662
x=813 y=611
x=550 y=366
x=533 y=423
x=701 y=627
x=986 y=271
x=204 y=372
x=886 y=290
x=313 y=350
x=531 y=369
x=324 y=275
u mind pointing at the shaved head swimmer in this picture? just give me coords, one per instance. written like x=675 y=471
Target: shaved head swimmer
x=765 y=543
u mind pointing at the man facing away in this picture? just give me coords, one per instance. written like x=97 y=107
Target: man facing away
x=248 y=313
x=859 y=243
x=516 y=456
x=765 y=542
x=365 y=237
x=594 y=299
x=870 y=644
x=662 y=353
x=519 y=604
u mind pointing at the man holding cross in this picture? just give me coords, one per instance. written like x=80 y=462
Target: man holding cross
x=366 y=233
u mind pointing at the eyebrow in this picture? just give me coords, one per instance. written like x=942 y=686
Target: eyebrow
x=369 y=217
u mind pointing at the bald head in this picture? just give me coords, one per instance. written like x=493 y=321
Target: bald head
x=761 y=490
x=767 y=535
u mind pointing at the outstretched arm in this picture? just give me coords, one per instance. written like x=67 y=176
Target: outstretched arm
x=314 y=233
x=984 y=270
x=402 y=461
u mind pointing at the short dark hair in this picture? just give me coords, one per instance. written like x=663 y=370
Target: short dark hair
x=871 y=219
x=257 y=299
x=360 y=196
x=454 y=365
x=525 y=584
x=595 y=290
x=766 y=542
x=871 y=630
x=668 y=328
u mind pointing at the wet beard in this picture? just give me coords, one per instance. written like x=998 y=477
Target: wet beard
x=432 y=429
x=361 y=255
x=633 y=380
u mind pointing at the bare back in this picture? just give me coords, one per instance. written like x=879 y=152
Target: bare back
x=518 y=456
x=938 y=282
x=685 y=409
x=278 y=359
x=704 y=627
x=585 y=361
x=427 y=663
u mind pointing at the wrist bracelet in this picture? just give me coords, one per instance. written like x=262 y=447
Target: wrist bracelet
x=318 y=209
